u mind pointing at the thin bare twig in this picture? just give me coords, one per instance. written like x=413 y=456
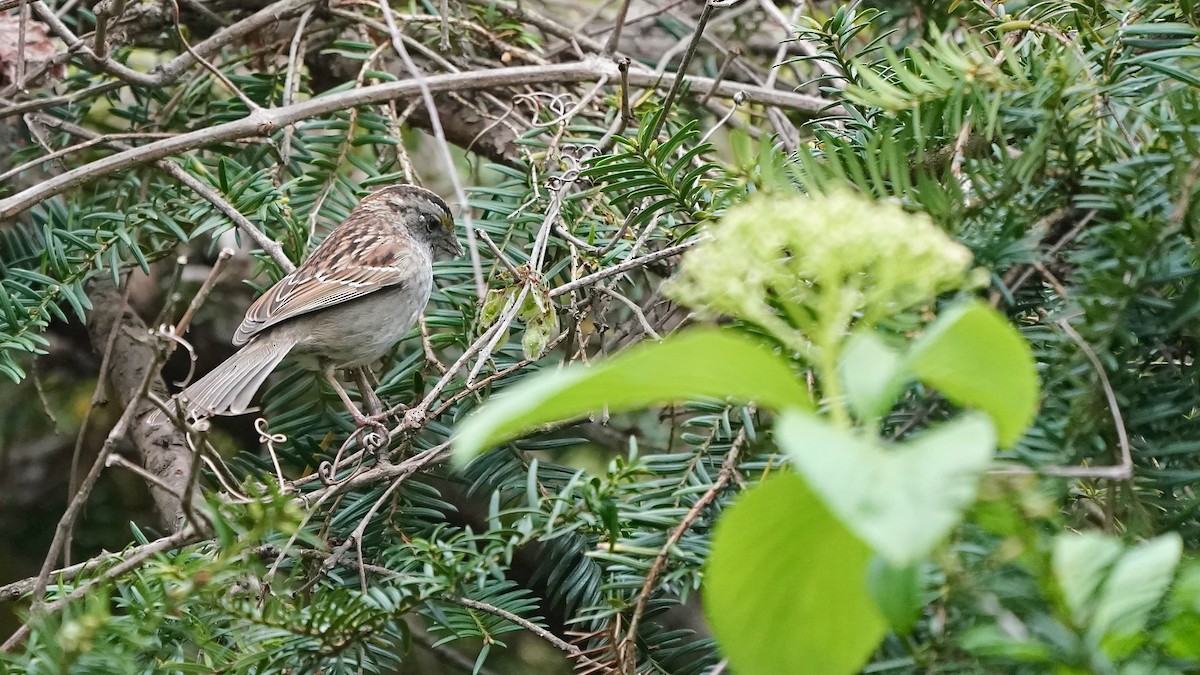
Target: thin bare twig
x=656 y=12
x=479 y=384
x=210 y=281
x=728 y=467
x=106 y=10
x=778 y=61
x=66 y=524
x=22 y=19
x=558 y=643
x=512 y=269
x=99 y=395
x=683 y=66
x=16 y=589
x=268 y=245
x=1124 y=470
x=737 y=102
x=35 y=374
x=610 y=46
x=216 y=72
x=634 y=263
x=444 y=24
x=291 y=83
x=626 y=113
x=726 y=60
x=633 y=307
x=115 y=459
x=435 y=125
x=48 y=157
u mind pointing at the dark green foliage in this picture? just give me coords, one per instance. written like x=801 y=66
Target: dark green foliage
x=1063 y=135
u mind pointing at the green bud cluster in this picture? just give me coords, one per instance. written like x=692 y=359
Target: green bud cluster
x=817 y=262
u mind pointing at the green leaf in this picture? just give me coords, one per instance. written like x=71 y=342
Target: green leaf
x=1133 y=588
x=785 y=587
x=903 y=499
x=1178 y=636
x=992 y=641
x=977 y=359
x=897 y=593
x=1080 y=562
x=698 y=363
x=872 y=373
x=1111 y=591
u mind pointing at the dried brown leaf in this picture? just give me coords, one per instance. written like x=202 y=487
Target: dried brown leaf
x=38 y=47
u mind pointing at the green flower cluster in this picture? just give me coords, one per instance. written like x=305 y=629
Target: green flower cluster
x=818 y=262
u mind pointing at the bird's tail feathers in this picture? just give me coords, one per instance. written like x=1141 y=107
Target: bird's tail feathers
x=229 y=388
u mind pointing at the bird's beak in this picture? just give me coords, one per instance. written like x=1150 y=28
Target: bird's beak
x=450 y=246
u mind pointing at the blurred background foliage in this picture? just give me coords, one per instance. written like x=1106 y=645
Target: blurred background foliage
x=1058 y=141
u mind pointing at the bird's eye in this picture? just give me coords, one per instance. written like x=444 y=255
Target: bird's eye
x=431 y=223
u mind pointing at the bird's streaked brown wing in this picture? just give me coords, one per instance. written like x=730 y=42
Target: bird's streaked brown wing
x=356 y=259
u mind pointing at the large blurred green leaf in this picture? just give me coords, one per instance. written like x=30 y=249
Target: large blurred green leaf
x=698 y=363
x=990 y=640
x=1110 y=590
x=1134 y=587
x=786 y=586
x=1081 y=562
x=903 y=499
x=872 y=373
x=1178 y=636
x=977 y=359
x=897 y=593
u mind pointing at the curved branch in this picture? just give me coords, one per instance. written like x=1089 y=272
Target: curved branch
x=266 y=121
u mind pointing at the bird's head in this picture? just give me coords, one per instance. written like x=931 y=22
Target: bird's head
x=422 y=213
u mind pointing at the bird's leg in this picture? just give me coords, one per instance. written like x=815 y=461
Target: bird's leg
x=363 y=380
x=380 y=432
x=379 y=413
x=359 y=418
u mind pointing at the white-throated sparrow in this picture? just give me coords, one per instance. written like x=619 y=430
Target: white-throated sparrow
x=358 y=293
